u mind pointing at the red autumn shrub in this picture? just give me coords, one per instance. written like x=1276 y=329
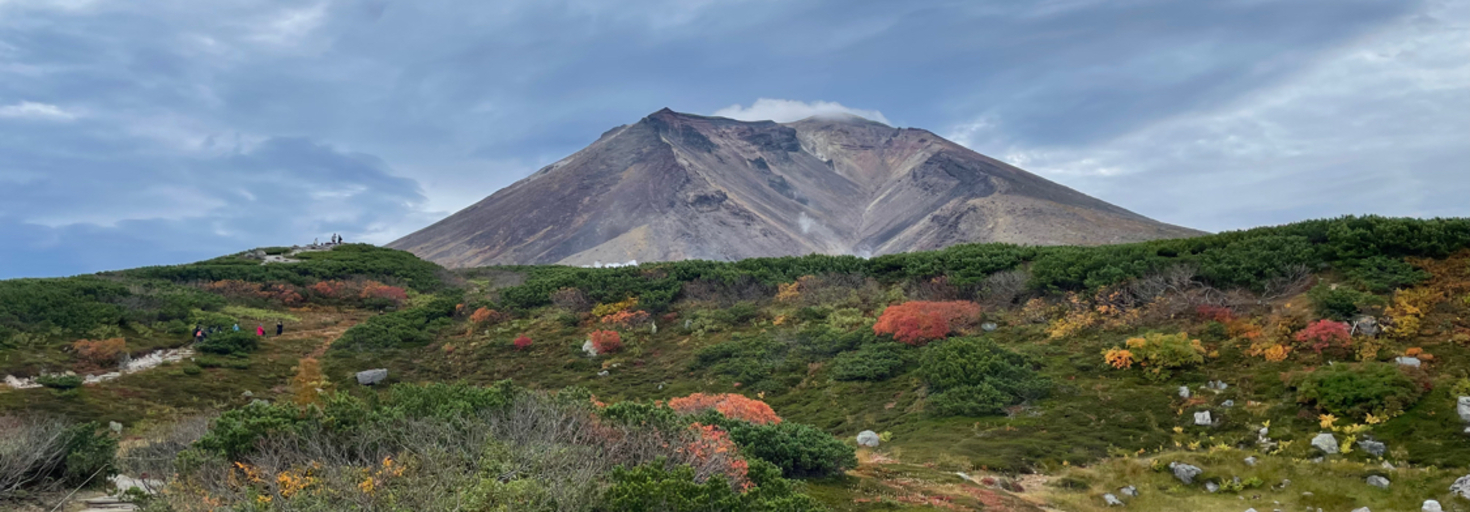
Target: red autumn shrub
x=1220 y=314
x=99 y=352
x=522 y=342
x=376 y=290
x=606 y=342
x=1324 y=334
x=626 y=319
x=284 y=294
x=919 y=322
x=487 y=316
x=712 y=451
x=729 y=404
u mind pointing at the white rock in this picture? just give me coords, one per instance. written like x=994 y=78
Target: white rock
x=1374 y=448
x=1250 y=461
x=1378 y=481
x=1463 y=407
x=1407 y=361
x=604 y=373
x=1325 y=442
x=1431 y=506
x=1129 y=491
x=868 y=438
x=1364 y=509
x=1202 y=418
x=370 y=377
x=1186 y=473
x=1183 y=391
x=589 y=348
x=1461 y=487
x=1112 y=501
x=1212 y=486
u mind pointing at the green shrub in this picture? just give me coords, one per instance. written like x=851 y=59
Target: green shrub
x=236 y=432
x=1354 y=390
x=342 y=262
x=659 y=486
x=90 y=455
x=847 y=319
x=874 y=362
x=60 y=382
x=751 y=361
x=798 y=450
x=974 y=376
x=410 y=327
x=230 y=343
x=231 y=362
x=192 y=369
x=1341 y=302
x=1381 y=274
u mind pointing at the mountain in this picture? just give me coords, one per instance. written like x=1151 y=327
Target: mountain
x=678 y=186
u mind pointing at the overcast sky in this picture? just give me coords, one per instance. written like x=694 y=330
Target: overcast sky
x=143 y=132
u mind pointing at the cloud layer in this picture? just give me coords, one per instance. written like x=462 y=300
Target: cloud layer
x=139 y=133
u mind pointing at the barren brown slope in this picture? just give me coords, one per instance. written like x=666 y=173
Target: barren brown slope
x=677 y=186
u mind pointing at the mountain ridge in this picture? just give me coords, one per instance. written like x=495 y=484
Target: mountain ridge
x=681 y=186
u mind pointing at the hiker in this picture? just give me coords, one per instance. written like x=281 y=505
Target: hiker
x=260 y=330
x=280 y=328
x=198 y=335
x=237 y=327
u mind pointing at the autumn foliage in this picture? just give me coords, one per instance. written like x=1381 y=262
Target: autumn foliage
x=626 y=319
x=1324 y=334
x=283 y=294
x=360 y=290
x=99 y=352
x=308 y=383
x=522 y=342
x=919 y=322
x=606 y=342
x=731 y=405
x=487 y=316
x=713 y=448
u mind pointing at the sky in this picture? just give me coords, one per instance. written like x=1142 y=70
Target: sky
x=148 y=132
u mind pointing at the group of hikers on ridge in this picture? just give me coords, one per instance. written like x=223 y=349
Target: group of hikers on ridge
x=335 y=240
x=201 y=332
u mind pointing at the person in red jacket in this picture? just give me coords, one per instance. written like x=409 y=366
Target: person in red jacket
x=260 y=330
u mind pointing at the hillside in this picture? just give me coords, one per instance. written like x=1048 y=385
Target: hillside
x=677 y=186
x=993 y=377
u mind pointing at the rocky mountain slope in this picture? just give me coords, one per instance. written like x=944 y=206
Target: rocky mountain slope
x=677 y=186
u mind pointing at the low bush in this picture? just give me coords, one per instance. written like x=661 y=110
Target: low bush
x=39 y=453
x=606 y=342
x=976 y=377
x=60 y=382
x=919 y=322
x=1381 y=274
x=730 y=405
x=409 y=327
x=230 y=343
x=873 y=362
x=1157 y=352
x=1355 y=390
x=801 y=451
x=1340 y=302
x=660 y=486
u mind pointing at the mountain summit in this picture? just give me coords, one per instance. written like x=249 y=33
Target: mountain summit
x=679 y=186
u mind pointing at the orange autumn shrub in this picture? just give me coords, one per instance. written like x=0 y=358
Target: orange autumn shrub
x=1119 y=358
x=626 y=319
x=729 y=404
x=606 y=342
x=100 y=352
x=919 y=322
x=1325 y=334
x=284 y=294
x=487 y=316
x=712 y=451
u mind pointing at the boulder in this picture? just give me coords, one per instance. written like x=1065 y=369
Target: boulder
x=1378 y=481
x=1431 y=506
x=1183 y=391
x=1112 y=501
x=589 y=348
x=1461 y=487
x=1186 y=473
x=1325 y=442
x=1412 y=362
x=604 y=373
x=1228 y=403
x=1130 y=491
x=370 y=377
x=1463 y=407
x=1365 y=326
x=1374 y=448
x=1251 y=461
x=1212 y=486
x=1202 y=418
x=868 y=439
x=989 y=326
x=1364 y=509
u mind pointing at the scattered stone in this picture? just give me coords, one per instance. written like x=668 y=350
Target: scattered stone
x=249 y=394
x=1251 y=461
x=1463 y=407
x=1461 y=487
x=1186 y=473
x=1183 y=391
x=370 y=377
x=1365 y=326
x=1212 y=486
x=259 y=402
x=115 y=427
x=1228 y=403
x=1129 y=491
x=1216 y=385
x=868 y=438
x=1364 y=509
x=1388 y=466
x=1378 y=481
x=1202 y=418
x=1250 y=510
x=589 y=348
x=1412 y=362
x=1373 y=447
x=1112 y=501
x=989 y=326
x=604 y=373
x=1325 y=442
x=1431 y=506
